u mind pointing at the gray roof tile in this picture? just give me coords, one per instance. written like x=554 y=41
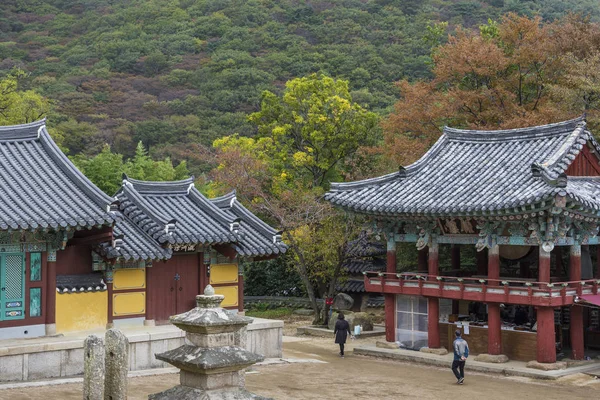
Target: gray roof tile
x=356 y=267
x=259 y=239
x=41 y=188
x=80 y=283
x=351 y=286
x=157 y=214
x=195 y=218
x=479 y=173
x=136 y=244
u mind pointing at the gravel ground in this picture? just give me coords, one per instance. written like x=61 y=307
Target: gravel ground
x=354 y=377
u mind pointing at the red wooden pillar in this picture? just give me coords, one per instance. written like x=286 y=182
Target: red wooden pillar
x=481 y=260
x=546 y=350
x=240 y=292
x=201 y=273
x=433 y=326
x=109 y=319
x=433 y=267
x=576 y=318
x=149 y=321
x=494 y=329
x=108 y=279
x=51 y=293
x=494 y=321
x=493 y=265
x=390 y=304
x=422 y=266
x=433 y=303
x=455 y=262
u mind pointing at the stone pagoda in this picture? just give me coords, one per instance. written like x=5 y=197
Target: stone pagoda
x=213 y=358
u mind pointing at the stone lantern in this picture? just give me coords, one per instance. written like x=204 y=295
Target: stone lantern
x=213 y=357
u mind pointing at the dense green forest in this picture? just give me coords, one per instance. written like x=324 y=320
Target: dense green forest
x=177 y=74
x=279 y=98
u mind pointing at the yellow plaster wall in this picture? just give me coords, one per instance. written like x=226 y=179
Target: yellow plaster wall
x=133 y=303
x=130 y=278
x=81 y=311
x=230 y=293
x=223 y=273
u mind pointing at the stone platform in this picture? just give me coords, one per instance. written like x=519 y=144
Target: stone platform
x=323 y=331
x=62 y=356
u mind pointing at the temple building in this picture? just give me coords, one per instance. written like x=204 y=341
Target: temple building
x=528 y=200
x=205 y=238
x=74 y=258
x=362 y=255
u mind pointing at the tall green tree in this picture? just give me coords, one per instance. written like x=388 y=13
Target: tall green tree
x=20 y=107
x=142 y=167
x=106 y=169
x=314 y=127
x=308 y=137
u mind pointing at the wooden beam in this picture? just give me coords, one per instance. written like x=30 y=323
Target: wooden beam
x=225 y=250
x=92 y=239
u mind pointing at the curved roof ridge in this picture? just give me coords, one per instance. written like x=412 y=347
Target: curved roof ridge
x=128 y=250
x=101 y=198
x=225 y=200
x=131 y=193
x=341 y=186
x=181 y=186
x=401 y=174
x=526 y=133
x=558 y=162
x=254 y=221
x=20 y=132
x=202 y=201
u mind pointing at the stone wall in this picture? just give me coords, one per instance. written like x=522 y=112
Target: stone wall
x=63 y=357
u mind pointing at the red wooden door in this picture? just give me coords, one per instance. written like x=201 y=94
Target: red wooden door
x=187 y=268
x=162 y=290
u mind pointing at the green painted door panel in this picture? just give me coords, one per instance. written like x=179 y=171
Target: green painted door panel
x=12 y=286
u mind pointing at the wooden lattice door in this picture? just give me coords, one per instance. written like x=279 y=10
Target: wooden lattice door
x=12 y=286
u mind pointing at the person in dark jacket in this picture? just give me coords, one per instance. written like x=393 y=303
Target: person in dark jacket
x=341 y=332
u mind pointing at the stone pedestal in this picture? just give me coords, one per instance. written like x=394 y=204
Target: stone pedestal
x=213 y=357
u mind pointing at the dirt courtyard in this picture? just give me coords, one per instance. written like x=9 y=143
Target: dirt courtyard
x=354 y=377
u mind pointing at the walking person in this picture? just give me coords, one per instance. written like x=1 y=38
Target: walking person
x=341 y=332
x=461 y=352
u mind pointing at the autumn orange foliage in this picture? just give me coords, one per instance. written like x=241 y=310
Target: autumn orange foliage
x=519 y=72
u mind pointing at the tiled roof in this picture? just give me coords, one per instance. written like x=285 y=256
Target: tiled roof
x=352 y=286
x=134 y=244
x=481 y=173
x=150 y=221
x=158 y=214
x=80 y=283
x=41 y=188
x=259 y=239
x=354 y=266
x=363 y=247
x=191 y=217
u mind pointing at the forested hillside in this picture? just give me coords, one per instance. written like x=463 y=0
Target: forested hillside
x=177 y=74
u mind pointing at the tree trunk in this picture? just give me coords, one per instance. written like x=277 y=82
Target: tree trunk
x=305 y=279
x=333 y=282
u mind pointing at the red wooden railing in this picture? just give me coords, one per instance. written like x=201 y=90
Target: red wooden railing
x=512 y=291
